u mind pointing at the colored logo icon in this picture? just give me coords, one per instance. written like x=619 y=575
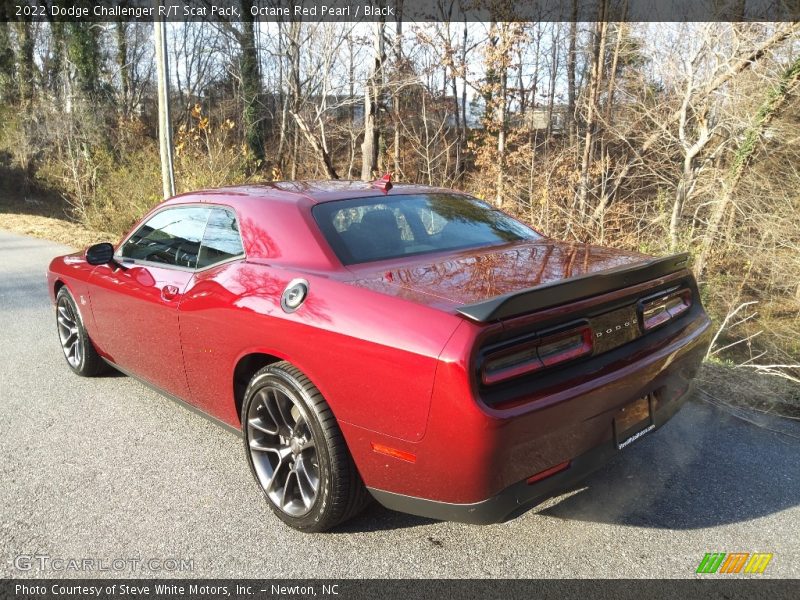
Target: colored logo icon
x=735 y=562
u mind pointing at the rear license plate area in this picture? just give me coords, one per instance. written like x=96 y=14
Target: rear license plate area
x=633 y=421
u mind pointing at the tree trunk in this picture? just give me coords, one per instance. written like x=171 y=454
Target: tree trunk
x=533 y=133
x=552 y=91
x=569 y=121
x=398 y=65
x=501 y=137
x=7 y=67
x=369 y=147
x=283 y=99
x=57 y=66
x=295 y=29
x=690 y=152
x=372 y=103
x=591 y=113
x=251 y=85
x=124 y=67
x=680 y=200
x=496 y=98
x=317 y=146
x=523 y=97
x=351 y=99
x=83 y=47
x=612 y=76
x=25 y=65
x=464 y=91
x=459 y=141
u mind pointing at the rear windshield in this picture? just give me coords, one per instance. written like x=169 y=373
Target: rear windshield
x=367 y=229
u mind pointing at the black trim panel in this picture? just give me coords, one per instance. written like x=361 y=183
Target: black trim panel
x=560 y=292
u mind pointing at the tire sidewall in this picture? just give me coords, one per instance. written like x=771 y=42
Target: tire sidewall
x=66 y=296
x=316 y=518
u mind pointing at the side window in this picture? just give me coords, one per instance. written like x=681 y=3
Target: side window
x=221 y=240
x=170 y=237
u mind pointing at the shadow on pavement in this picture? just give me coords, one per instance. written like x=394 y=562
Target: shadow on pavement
x=377 y=518
x=704 y=468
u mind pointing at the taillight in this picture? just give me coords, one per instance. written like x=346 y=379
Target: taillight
x=566 y=346
x=662 y=308
x=531 y=356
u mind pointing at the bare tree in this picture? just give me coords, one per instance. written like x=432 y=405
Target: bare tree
x=595 y=83
x=774 y=102
x=571 y=61
x=740 y=62
x=373 y=102
x=244 y=34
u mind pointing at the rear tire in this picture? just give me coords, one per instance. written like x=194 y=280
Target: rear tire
x=78 y=349
x=297 y=453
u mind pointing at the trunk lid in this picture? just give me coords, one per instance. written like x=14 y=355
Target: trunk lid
x=474 y=277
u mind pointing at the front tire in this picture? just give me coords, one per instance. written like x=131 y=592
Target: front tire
x=78 y=349
x=297 y=453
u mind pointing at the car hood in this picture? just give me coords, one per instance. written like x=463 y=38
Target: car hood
x=480 y=274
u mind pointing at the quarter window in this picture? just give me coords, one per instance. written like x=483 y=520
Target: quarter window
x=221 y=240
x=170 y=237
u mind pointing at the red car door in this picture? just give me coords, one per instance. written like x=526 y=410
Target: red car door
x=209 y=318
x=135 y=304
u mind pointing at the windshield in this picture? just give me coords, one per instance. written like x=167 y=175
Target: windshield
x=367 y=229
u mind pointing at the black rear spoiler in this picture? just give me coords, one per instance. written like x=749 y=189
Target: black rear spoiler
x=569 y=290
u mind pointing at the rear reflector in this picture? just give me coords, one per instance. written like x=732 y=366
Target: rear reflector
x=394 y=452
x=548 y=472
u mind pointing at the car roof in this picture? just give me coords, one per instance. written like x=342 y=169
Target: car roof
x=307 y=192
x=275 y=218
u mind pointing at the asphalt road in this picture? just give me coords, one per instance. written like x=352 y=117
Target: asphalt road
x=106 y=469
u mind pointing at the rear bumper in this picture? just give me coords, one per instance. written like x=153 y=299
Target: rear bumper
x=520 y=496
x=474 y=461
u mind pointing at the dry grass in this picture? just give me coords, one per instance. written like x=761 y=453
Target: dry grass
x=742 y=387
x=41 y=213
x=49 y=228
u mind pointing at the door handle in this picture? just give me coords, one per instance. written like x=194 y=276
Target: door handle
x=169 y=292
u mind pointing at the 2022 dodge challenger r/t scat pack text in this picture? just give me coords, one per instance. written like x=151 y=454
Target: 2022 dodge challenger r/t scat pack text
x=406 y=343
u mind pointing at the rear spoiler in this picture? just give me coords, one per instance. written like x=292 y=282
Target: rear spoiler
x=576 y=288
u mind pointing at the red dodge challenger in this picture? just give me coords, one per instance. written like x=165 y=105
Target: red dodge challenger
x=403 y=343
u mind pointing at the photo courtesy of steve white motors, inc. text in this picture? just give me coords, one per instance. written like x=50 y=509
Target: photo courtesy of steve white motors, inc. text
x=172 y=589
x=184 y=11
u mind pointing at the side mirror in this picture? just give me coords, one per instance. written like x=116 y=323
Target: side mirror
x=100 y=254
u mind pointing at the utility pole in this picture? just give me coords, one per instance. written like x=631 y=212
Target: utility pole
x=164 y=128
